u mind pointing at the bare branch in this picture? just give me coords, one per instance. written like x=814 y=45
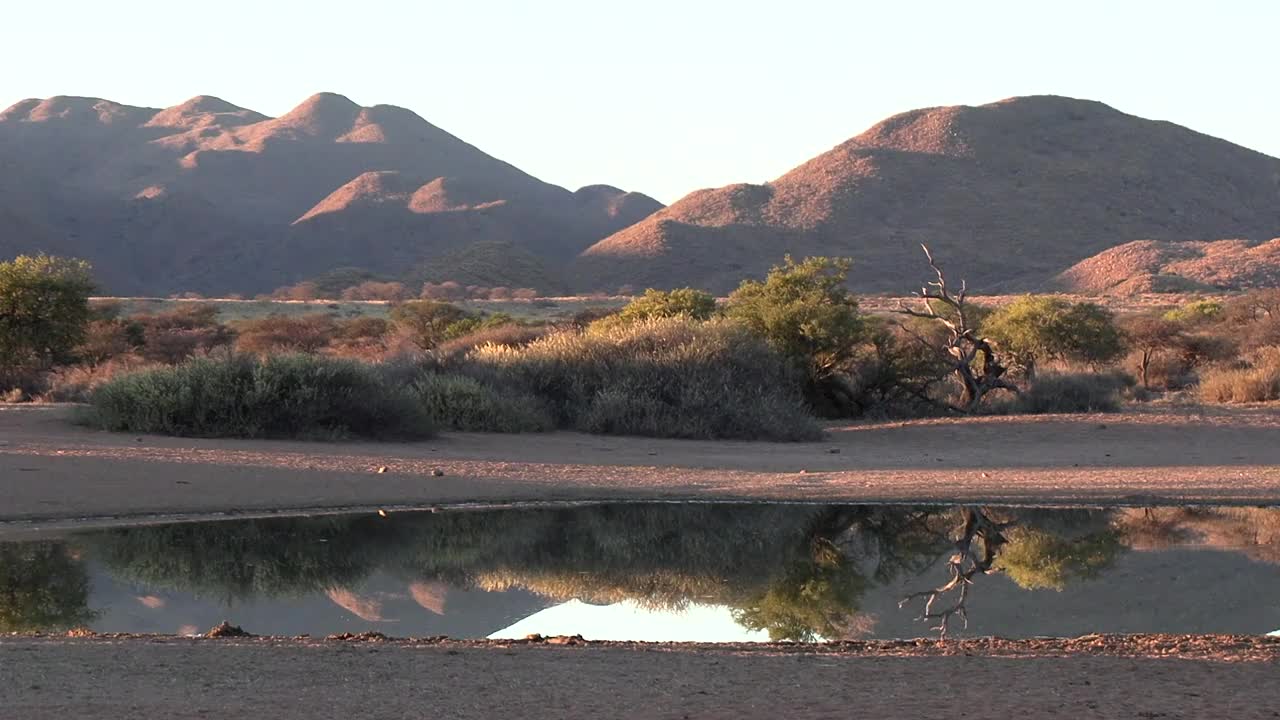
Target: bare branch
x=962 y=567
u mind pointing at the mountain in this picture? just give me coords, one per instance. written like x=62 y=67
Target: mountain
x=1148 y=266
x=212 y=197
x=1007 y=195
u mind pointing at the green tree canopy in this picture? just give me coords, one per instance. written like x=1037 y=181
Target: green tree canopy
x=1196 y=312
x=1036 y=559
x=685 y=302
x=1036 y=328
x=44 y=308
x=804 y=311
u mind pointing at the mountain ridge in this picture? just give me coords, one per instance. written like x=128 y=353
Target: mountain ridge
x=1008 y=194
x=208 y=196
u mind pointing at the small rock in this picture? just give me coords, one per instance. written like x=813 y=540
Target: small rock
x=804 y=472
x=533 y=637
x=1102 y=426
x=226 y=629
x=381 y=469
x=565 y=640
x=437 y=473
x=834 y=451
x=382 y=513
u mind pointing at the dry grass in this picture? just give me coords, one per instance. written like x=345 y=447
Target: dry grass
x=1241 y=385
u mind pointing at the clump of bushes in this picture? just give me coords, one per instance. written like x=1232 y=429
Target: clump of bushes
x=458 y=402
x=288 y=396
x=672 y=377
x=1099 y=392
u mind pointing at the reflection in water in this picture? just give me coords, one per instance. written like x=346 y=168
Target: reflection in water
x=629 y=620
x=43 y=586
x=776 y=571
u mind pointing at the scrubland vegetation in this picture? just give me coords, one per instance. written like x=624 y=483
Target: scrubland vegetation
x=763 y=363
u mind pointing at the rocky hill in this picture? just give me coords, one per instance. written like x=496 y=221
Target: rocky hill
x=1146 y=266
x=1008 y=195
x=211 y=197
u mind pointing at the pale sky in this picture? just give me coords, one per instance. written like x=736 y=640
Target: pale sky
x=660 y=96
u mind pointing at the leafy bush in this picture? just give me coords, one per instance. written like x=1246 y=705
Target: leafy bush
x=1035 y=329
x=462 y=403
x=685 y=302
x=665 y=378
x=44 y=308
x=1196 y=312
x=1073 y=393
x=805 y=313
x=279 y=397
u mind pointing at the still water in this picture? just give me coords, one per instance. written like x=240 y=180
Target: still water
x=665 y=572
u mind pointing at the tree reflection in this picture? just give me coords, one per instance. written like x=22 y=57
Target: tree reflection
x=796 y=572
x=43 y=587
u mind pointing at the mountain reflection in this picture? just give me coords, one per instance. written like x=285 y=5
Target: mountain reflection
x=794 y=572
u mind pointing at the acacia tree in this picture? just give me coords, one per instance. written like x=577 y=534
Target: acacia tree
x=968 y=355
x=1034 y=328
x=44 y=308
x=1150 y=336
x=805 y=312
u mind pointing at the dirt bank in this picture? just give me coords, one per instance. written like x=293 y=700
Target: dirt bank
x=53 y=469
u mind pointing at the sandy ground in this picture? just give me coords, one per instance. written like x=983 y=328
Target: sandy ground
x=53 y=469
x=170 y=678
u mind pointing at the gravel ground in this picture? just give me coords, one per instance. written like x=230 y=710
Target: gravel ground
x=56 y=679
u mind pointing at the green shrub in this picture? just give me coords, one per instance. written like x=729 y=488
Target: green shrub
x=1037 y=328
x=806 y=314
x=44 y=308
x=1195 y=312
x=664 y=378
x=685 y=302
x=278 y=397
x=462 y=403
x=1073 y=393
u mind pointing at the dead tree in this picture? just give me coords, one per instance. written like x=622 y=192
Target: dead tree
x=971 y=358
x=962 y=567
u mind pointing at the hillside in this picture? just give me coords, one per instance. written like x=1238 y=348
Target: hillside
x=211 y=197
x=1148 y=266
x=1008 y=195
